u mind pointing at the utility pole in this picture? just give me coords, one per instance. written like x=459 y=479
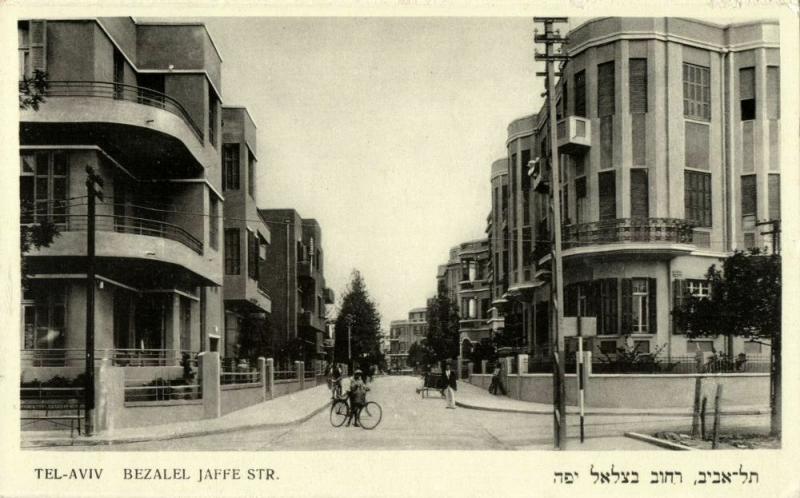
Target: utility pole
x=349 y=319
x=92 y=180
x=551 y=38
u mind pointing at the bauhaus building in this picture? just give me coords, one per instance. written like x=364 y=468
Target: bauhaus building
x=668 y=141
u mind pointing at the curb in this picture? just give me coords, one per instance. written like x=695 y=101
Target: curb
x=658 y=442
x=38 y=443
x=570 y=411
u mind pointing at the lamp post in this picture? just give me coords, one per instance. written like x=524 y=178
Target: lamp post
x=349 y=319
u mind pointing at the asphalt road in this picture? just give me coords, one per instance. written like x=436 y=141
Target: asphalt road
x=412 y=423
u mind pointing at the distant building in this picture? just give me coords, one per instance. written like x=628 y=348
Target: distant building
x=404 y=333
x=296 y=284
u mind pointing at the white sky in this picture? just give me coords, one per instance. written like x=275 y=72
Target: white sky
x=384 y=130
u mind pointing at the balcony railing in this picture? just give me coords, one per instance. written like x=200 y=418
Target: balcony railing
x=129 y=224
x=668 y=230
x=119 y=91
x=121 y=357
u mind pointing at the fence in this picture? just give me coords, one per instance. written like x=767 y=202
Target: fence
x=285 y=374
x=162 y=390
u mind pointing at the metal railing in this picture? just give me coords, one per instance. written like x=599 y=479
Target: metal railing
x=627 y=230
x=75 y=357
x=162 y=390
x=285 y=375
x=120 y=91
x=132 y=225
x=251 y=377
x=41 y=393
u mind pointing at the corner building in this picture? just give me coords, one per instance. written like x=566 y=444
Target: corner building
x=140 y=104
x=668 y=137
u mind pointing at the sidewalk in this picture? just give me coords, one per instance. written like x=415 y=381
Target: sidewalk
x=290 y=409
x=474 y=397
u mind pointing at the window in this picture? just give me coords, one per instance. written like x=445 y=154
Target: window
x=581 y=204
x=119 y=74
x=606 y=292
x=637 y=79
x=696 y=92
x=580 y=93
x=213 y=223
x=774 y=193
x=252 y=255
x=608 y=195
x=749 y=202
x=526 y=186
x=639 y=193
x=747 y=93
x=32 y=44
x=638 y=305
x=44 y=317
x=605 y=89
x=232 y=252
x=697 y=198
x=684 y=288
x=185 y=309
x=43 y=186
x=251 y=174
x=212 y=117
x=230 y=165
x=773 y=92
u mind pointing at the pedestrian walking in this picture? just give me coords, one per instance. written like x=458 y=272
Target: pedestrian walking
x=450 y=386
x=497 y=383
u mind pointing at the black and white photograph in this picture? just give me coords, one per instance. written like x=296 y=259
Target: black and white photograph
x=537 y=236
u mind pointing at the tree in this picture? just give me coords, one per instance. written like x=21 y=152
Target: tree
x=442 y=337
x=745 y=300
x=255 y=338
x=358 y=313
x=419 y=354
x=32 y=90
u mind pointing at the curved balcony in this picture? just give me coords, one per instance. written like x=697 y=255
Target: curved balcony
x=128 y=248
x=146 y=130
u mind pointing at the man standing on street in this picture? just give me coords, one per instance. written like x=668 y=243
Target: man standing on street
x=450 y=386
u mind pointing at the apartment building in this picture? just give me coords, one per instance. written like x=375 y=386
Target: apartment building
x=497 y=234
x=404 y=333
x=668 y=141
x=246 y=237
x=295 y=280
x=138 y=102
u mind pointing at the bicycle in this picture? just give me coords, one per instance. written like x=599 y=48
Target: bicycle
x=336 y=388
x=369 y=418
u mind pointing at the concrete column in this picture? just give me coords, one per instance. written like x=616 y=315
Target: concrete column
x=269 y=378
x=109 y=395
x=522 y=367
x=470 y=368
x=484 y=364
x=262 y=373
x=209 y=379
x=458 y=365
x=300 y=372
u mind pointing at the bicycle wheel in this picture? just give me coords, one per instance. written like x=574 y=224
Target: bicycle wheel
x=338 y=413
x=371 y=415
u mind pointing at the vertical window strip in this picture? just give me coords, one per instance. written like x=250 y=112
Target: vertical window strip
x=605 y=89
x=637 y=77
x=232 y=252
x=696 y=92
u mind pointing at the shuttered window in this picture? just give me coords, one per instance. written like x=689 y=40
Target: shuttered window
x=747 y=93
x=749 y=201
x=639 y=193
x=696 y=149
x=230 y=165
x=581 y=205
x=607 y=189
x=232 y=252
x=773 y=92
x=697 y=198
x=774 y=192
x=604 y=294
x=213 y=223
x=38 y=45
x=638 y=297
x=605 y=89
x=679 y=293
x=696 y=92
x=580 y=93
x=637 y=78
x=252 y=255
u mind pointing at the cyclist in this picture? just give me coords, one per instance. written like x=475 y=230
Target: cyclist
x=335 y=381
x=358 y=398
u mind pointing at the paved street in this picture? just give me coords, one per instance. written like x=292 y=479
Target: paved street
x=410 y=422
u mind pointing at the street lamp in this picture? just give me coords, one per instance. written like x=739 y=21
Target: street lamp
x=349 y=318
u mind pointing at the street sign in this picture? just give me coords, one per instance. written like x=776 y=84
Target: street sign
x=588 y=326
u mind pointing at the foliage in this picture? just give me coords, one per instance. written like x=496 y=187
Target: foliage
x=255 y=338
x=32 y=90
x=628 y=359
x=442 y=338
x=360 y=312
x=419 y=354
x=745 y=299
x=483 y=351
